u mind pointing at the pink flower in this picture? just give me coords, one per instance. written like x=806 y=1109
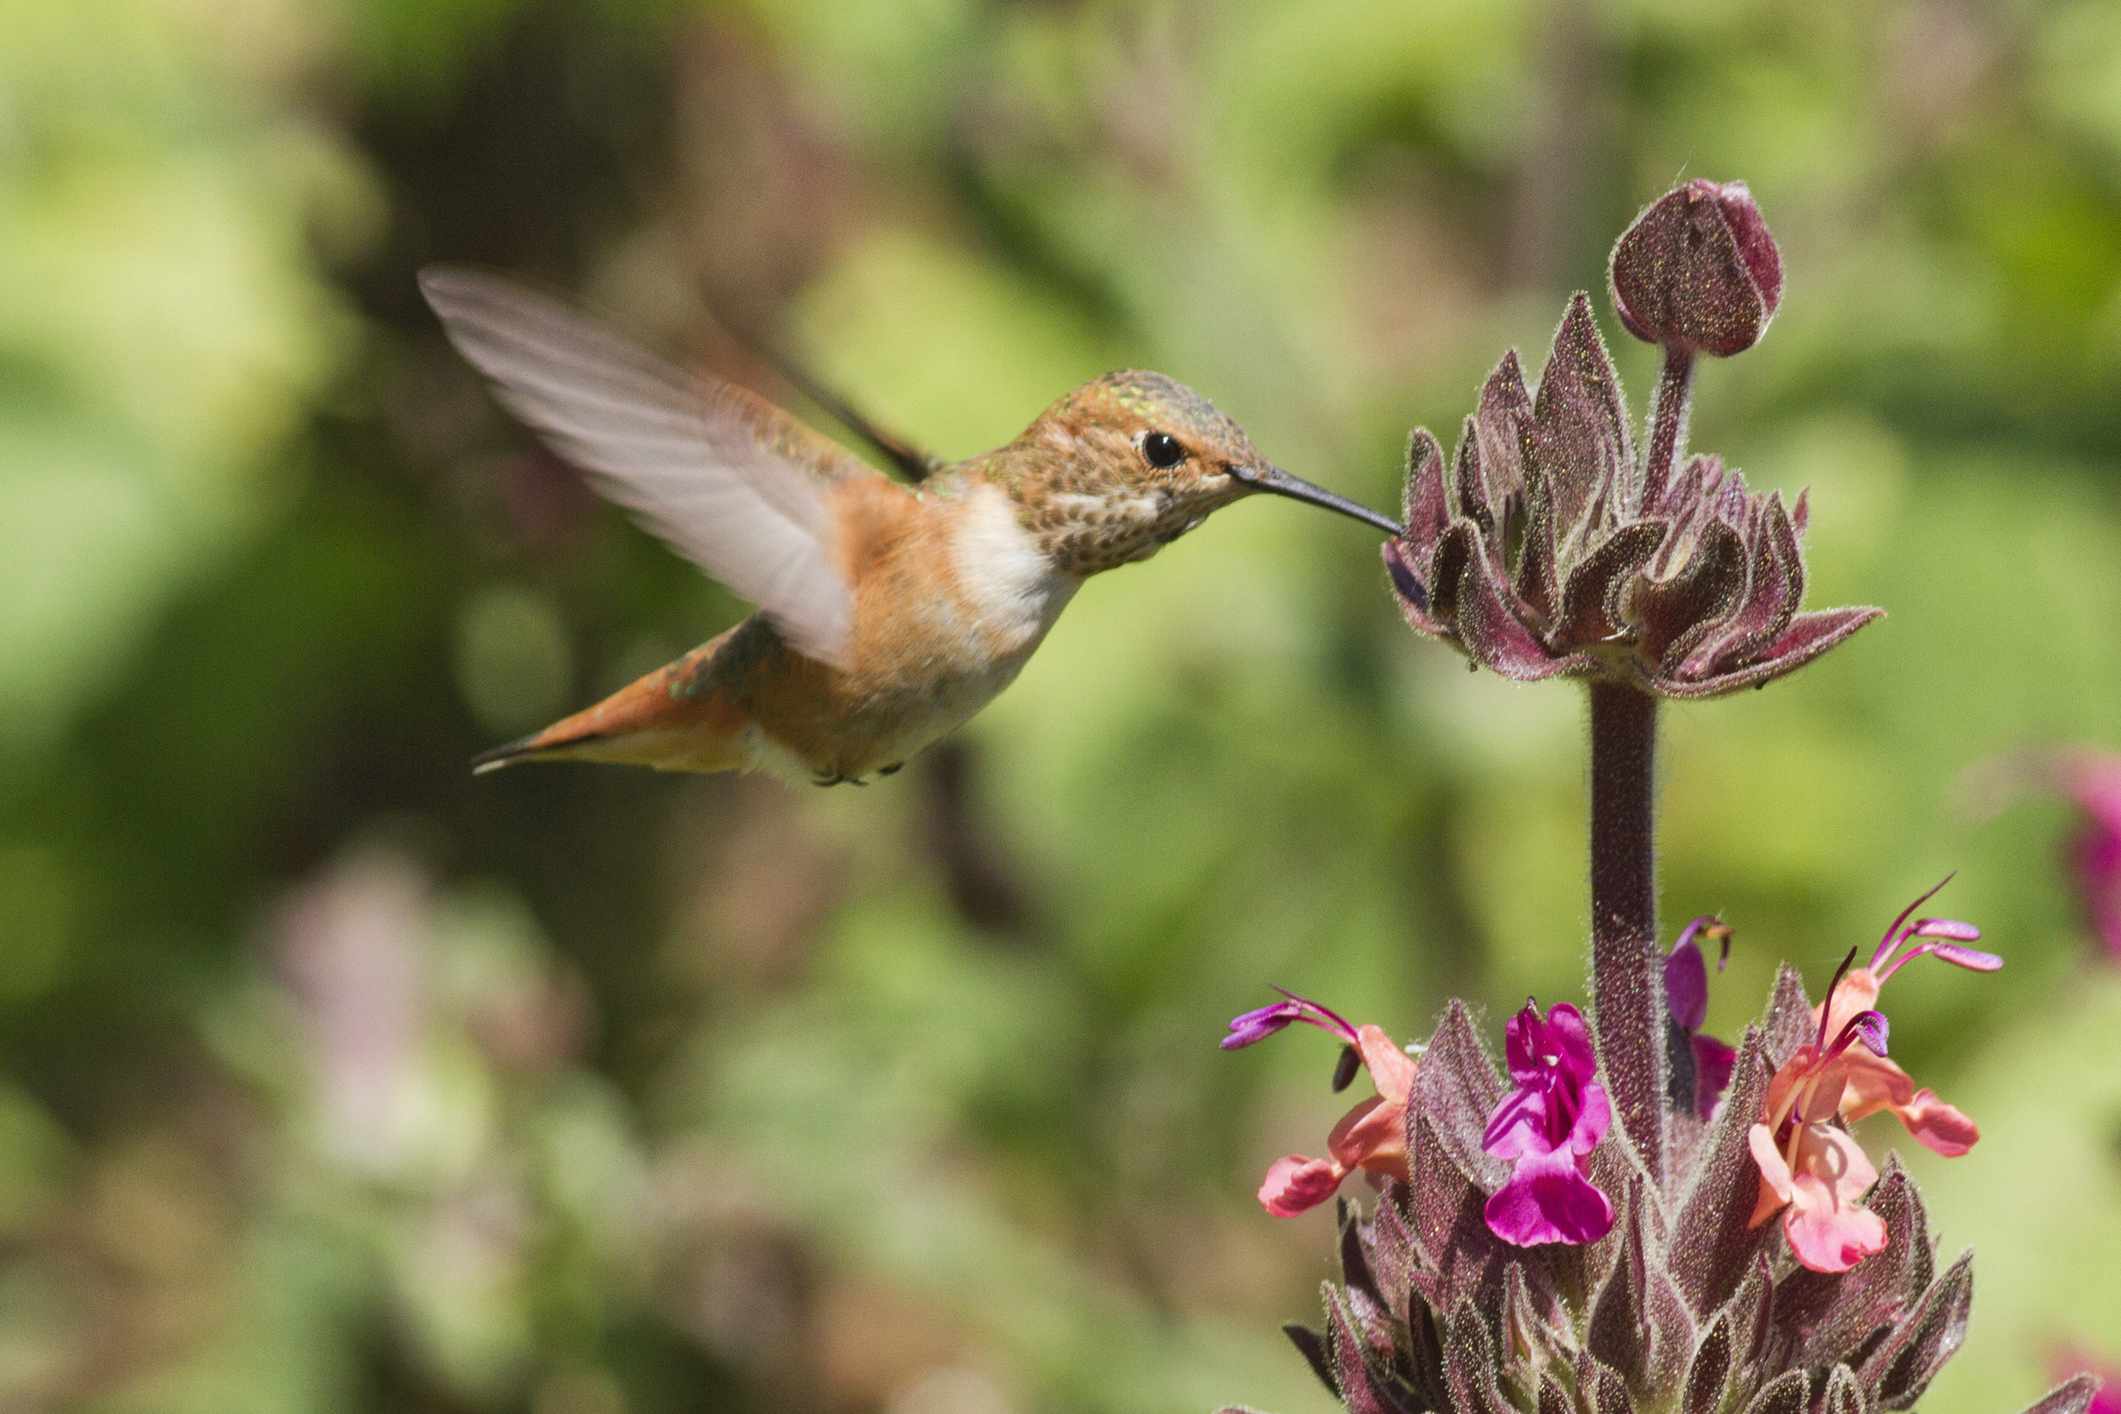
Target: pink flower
x=1547 y=1127
x=2093 y=782
x=2070 y=1362
x=2090 y=779
x=1371 y=1137
x=1686 y=996
x=1811 y=1168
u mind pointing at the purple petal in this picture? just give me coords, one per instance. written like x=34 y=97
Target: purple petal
x=1521 y=1043
x=1253 y=1026
x=1518 y=1127
x=1569 y=1039
x=1713 y=1063
x=1972 y=959
x=1951 y=929
x=1592 y=1120
x=1549 y=1200
x=1686 y=981
x=1262 y=1022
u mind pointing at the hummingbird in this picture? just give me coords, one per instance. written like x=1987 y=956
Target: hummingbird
x=888 y=613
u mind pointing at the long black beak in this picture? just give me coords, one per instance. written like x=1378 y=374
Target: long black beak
x=1281 y=483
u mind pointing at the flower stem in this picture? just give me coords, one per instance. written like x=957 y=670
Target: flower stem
x=1627 y=977
x=1668 y=414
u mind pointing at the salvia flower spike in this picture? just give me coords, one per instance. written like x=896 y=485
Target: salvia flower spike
x=1681 y=1300
x=1542 y=548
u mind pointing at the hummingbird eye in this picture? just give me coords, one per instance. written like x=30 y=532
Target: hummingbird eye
x=1162 y=451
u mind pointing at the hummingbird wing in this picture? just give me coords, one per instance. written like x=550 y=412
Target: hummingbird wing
x=726 y=479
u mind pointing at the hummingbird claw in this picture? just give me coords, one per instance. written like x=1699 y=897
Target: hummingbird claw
x=834 y=778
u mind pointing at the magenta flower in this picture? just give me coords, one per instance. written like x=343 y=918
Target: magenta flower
x=2092 y=781
x=1686 y=996
x=2070 y=1365
x=1547 y=1128
x=1371 y=1137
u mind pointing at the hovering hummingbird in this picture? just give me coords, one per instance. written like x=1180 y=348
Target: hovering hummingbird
x=888 y=613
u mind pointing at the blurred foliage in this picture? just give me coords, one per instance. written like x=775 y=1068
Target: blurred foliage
x=334 y=1080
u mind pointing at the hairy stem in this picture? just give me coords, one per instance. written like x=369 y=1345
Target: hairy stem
x=1668 y=414
x=1627 y=975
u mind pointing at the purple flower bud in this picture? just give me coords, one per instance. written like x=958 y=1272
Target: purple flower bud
x=1698 y=270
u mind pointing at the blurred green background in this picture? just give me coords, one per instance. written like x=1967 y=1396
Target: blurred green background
x=332 y=1079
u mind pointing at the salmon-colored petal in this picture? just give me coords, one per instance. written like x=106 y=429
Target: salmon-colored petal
x=1371 y=1136
x=1873 y=1084
x=1391 y=1068
x=1775 y=1185
x=1828 y=1236
x=1939 y=1126
x=1834 y=1156
x=1858 y=991
x=1295 y=1184
x=1827 y=1231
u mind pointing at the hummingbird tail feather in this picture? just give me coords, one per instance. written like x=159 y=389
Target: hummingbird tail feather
x=659 y=720
x=523 y=748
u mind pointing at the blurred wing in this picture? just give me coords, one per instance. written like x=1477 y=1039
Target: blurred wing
x=724 y=478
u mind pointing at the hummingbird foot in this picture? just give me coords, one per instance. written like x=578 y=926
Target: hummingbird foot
x=834 y=778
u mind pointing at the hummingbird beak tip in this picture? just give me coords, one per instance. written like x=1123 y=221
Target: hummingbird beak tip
x=1282 y=483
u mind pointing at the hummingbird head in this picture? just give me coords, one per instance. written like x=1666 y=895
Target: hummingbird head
x=1129 y=462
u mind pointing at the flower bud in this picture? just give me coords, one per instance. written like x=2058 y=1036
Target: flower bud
x=1698 y=270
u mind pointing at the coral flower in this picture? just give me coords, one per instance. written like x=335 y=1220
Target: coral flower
x=1547 y=1127
x=1371 y=1137
x=1811 y=1168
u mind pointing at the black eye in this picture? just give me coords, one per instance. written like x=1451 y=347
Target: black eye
x=1162 y=450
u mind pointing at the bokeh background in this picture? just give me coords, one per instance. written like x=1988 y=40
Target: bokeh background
x=332 y=1079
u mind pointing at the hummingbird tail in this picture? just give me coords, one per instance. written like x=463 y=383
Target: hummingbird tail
x=510 y=753
x=660 y=720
